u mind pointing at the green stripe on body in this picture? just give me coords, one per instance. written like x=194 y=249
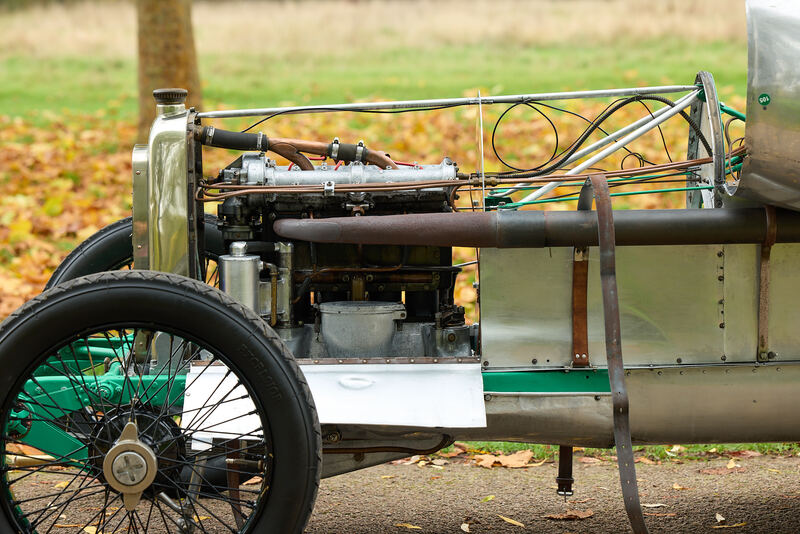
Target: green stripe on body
x=550 y=381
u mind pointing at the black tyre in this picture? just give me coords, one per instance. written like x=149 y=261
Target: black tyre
x=85 y=360
x=111 y=249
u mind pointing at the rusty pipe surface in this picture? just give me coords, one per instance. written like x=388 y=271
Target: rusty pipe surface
x=321 y=149
x=291 y=153
x=536 y=229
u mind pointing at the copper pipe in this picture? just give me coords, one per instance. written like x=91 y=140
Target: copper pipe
x=319 y=148
x=273 y=304
x=290 y=152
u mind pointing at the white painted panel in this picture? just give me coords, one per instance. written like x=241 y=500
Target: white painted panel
x=420 y=395
x=423 y=395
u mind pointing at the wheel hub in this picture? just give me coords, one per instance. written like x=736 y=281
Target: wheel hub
x=130 y=466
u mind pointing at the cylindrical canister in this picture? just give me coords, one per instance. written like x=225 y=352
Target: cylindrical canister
x=239 y=277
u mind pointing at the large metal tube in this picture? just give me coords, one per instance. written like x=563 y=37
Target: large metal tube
x=536 y=229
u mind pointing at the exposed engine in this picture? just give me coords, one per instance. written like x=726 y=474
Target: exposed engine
x=348 y=302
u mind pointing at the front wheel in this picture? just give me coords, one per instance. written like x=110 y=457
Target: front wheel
x=135 y=401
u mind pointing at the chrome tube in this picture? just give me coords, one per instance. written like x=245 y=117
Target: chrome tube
x=470 y=101
x=652 y=123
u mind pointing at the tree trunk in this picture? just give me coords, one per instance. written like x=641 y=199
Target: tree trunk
x=166 y=55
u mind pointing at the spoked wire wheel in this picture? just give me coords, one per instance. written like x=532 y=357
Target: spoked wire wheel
x=144 y=402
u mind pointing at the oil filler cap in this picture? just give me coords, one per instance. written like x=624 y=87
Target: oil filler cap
x=170 y=96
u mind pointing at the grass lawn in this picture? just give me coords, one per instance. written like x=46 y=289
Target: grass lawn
x=89 y=84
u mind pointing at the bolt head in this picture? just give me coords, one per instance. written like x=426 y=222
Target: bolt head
x=129 y=468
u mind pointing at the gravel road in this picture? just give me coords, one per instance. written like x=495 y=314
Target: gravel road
x=763 y=493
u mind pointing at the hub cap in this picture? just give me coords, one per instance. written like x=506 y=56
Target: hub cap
x=130 y=466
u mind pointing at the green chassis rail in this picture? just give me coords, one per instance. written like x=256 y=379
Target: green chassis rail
x=73 y=380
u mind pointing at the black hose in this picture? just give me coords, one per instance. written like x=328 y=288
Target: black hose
x=216 y=137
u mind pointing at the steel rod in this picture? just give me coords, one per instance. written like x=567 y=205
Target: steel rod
x=434 y=103
x=638 y=132
x=611 y=137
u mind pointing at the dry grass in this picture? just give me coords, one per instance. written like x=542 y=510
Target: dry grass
x=317 y=28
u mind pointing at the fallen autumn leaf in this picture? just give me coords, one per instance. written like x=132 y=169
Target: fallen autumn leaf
x=511 y=521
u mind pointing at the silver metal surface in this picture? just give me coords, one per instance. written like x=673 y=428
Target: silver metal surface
x=453 y=341
x=359 y=329
x=411 y=104
x=715 y=404
x=168 y=199
x=129 y=468
x=141 y=249
x=635 y=134
x=239 y=278
x=285 y=271
x=256 y=169
x=700 y=404
x=669 y=299
x=680 y=305
x=416 y=343
x=771 y=171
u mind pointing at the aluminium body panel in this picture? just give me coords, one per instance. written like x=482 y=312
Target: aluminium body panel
x=771 y=170
x=684 y=305
x=720 y=403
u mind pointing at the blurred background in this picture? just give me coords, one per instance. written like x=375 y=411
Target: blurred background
x=69 y=89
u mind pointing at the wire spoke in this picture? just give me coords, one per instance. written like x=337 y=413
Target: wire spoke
x=64 y=393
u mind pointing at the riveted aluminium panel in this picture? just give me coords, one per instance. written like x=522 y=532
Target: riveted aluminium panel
x=698 y=303
x=784 y=295
x=741 y=302
x=670 y=302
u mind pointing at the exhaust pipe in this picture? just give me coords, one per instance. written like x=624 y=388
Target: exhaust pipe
x=537 y=229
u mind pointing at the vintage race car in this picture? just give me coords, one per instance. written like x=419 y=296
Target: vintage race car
x=310 y=327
